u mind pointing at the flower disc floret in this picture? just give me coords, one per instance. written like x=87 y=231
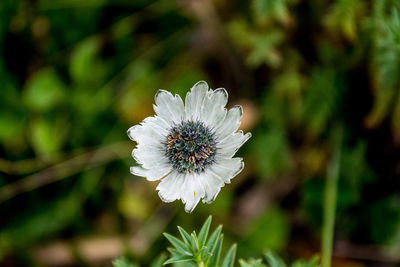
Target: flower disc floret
x=190 y=147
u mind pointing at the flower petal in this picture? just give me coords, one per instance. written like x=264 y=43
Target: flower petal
x=152 y=174
x=168 y=107
x=149 y=156
x=151 y=131
x=213 y=110
x=230 y=124
x=192 y=191
x=212 y=185
x=230 y=145
x=169 y=189
x=194 y=100
x=227 y=168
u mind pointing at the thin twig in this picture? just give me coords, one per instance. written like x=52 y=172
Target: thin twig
x=65 y=169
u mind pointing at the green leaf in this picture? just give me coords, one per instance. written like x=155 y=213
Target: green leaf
x=179 y=245
x=121 y=262
x=323 y=98
x=194 y=242
x=251 y=263
x=213 y=239
x=205 y=255
x=47 y=136
x=185 y=236
x=204 y=232
x=313 y=262
x=158 y=262
x=83 y=59
x=385 y=67
x=174 y=252
x=273 y=260
x=44 y=90
x=344 y=17
x=216 y=252
x=266 y=10
x=229 y=260
x=180 y=258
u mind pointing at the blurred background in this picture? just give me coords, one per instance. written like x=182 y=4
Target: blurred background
x=75 y=75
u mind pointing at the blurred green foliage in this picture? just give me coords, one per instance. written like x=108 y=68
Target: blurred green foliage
x=75 y=75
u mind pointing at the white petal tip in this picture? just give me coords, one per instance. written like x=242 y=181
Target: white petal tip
x=190 y=206
x=221 y=91
x=136 y=171
x=134 y=154
x=131 y=132
x=200 y=84
x=209 y=200
x=247 y=136
x=240 y=168
x=159 y=93
x=164 y=199
x=189 y=209
x=239 y=109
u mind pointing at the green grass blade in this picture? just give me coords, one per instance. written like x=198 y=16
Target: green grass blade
x=330 y=203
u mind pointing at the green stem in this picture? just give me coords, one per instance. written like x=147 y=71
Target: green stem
x=329 y=209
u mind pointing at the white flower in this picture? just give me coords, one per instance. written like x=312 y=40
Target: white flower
x=189 y=147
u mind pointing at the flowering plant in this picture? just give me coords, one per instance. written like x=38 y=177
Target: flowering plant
x=189 y=147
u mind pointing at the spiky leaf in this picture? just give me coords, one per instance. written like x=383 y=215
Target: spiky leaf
x=229 y=260
x=274 y=260
x=204 y=232
x=185 y=236
x=212 y=241
x=216 y=252
x=179 y=245
x=158 y=262
x=180 y=258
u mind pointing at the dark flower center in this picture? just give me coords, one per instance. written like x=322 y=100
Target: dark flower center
x=190 y=147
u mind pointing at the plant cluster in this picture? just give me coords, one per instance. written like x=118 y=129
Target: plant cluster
x=205 y=251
